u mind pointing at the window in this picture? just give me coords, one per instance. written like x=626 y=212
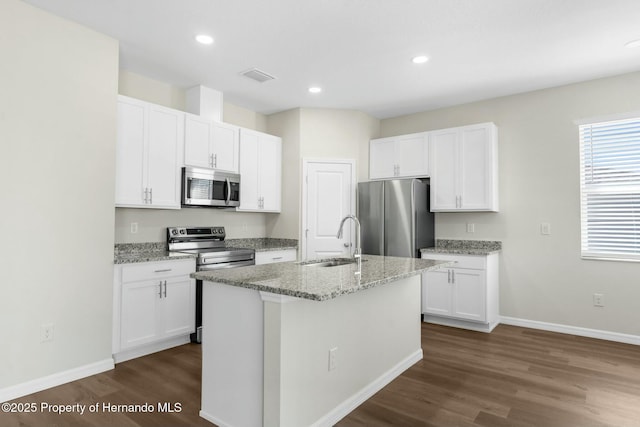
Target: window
x=610 y=189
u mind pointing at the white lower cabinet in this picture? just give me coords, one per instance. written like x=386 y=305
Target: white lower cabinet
x=154 y=307
x=269 y=257
x=465 y=295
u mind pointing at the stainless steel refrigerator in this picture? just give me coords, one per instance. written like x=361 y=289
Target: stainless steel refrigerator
x=395 y=218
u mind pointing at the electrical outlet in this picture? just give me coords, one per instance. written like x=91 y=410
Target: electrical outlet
x=46 y=332
x=333 y=354
x=545 y=229
x=598 y=300
x=471 y=228
x=134 y=227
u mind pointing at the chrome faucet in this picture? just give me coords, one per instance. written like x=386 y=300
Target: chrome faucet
x=357 y=253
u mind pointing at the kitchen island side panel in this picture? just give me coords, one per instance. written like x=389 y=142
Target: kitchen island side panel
x=232 y=355
x=373 y=332
x=265 y=357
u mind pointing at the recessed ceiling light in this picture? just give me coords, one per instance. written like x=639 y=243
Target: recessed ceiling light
x=315 y=89
x=204 y=39
x=419 y=59
x=633 y=43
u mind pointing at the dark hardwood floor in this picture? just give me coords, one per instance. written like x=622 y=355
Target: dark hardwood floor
x=512 y=377
x=171 y=376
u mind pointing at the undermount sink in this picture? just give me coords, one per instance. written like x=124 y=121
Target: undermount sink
x=334 y=262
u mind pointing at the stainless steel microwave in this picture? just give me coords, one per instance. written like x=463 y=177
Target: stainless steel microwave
x=209 y=188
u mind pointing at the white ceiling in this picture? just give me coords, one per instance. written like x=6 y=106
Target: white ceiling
x=359 y=51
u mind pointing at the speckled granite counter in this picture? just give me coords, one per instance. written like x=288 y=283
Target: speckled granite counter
x=465 y=247
x=263 y=244
x=129 y=253
x=321 y=283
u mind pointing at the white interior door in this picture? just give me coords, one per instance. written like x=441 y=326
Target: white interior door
x=329 y=196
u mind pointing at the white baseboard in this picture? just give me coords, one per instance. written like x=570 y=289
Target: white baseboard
x=346 y=407
x=143 y=350
x=572 y=330
x=207 y=416
x=53 y=380
x=456 y=323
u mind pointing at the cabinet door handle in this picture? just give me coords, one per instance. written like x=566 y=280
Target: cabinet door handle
x=162 y=271
x=275 y=258
x=150 y=196
x=146 y=194
x=226 y=202
x=211 y=160
x=215 y=160
x=160 y=292
x=453 y=277
x=448 y=276
x=165 y=288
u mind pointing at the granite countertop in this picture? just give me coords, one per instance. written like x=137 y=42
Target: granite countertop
x=464 y=247
x=130 y=253
x=321 y=283
x=262 y=244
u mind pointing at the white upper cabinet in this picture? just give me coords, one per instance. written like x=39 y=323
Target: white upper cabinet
x=149 y=149
x=382 y=162
x=211 y=144
x=464 y=168
x=399 y=156
x=260 y=171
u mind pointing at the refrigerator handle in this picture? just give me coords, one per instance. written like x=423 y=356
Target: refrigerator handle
x=413 y=216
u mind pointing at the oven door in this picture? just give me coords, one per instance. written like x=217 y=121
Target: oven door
x=221 y=265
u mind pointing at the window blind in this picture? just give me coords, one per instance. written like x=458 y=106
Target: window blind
x=610 y=189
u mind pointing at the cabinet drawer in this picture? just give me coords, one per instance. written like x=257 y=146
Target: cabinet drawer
x=153 y=270
x=268 y=257
x=477 y=262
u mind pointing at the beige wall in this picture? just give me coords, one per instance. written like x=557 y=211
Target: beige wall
x=338 y=134
x=152 y=223
x=316 y=133
x=287 y=125
x=150 y=90
x=58 y=82
x=542 y=278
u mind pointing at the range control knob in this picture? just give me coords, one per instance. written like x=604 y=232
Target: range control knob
x=174 y=232
x=182 y=231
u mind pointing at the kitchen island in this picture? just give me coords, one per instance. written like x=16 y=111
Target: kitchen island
x=291 y=344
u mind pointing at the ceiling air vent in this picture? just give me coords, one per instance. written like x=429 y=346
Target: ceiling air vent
x=257 y=75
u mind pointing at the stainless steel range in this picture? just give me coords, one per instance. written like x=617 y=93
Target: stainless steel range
x=208 y=244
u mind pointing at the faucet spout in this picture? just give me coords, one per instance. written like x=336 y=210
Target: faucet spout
x=357 y=253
